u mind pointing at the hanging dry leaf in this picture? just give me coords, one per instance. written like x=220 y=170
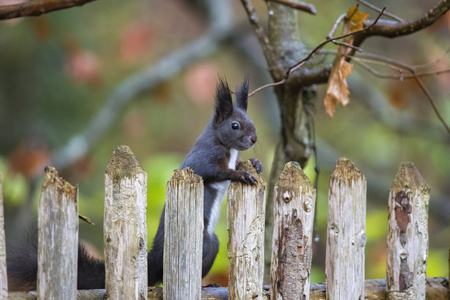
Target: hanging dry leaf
x=354 y=20
x=337 y=90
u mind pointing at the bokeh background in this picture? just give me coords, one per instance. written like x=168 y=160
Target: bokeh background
x=76 y=83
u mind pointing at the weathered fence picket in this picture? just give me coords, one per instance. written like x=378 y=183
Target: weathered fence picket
x=126 y=239
x=407 y=253
x=125 y=227
x=246 y=214
x=3 y=276
x=346 y=232
x=183 y=236
x=58 y=227
x=294 y=201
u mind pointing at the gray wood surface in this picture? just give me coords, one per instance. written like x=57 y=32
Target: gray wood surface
x=57 y=238
x=246 y=215
x=125 y=227
x=407 y=252
x=375 y=289
x=346 y=232
x=3 y=276
x=183 y=236
x=293 y=209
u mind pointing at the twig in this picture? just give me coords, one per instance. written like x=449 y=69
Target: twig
x=430 y=99
x=377 y=9
x=377 y=62
x=303 y=6
x=412 y=69
x=86 y=219
x=37 y=7
x=425 y=65
x=262 y=38
x=341 y=17
x=303 y=61
x=360 y=62
x=266 y=86
x=348 y=46
x=392 y=29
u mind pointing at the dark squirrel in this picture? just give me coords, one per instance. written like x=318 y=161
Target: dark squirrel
x=214 y=157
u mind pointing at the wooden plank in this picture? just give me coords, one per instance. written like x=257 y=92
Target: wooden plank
x=57 y=238
x=183 y=236
x=125 y=227
x=346 y=233
x=407 y=252
x=375 y=289
x=293 y=208
x=3 y=276
x=246 y=215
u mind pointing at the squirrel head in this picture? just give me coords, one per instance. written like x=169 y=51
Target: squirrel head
x=233 y=127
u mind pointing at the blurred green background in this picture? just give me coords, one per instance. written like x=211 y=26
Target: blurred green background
x=59 y=71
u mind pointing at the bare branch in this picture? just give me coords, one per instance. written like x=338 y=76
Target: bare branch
x=37 y=7
x=434 y=61
x=430 y=99
x=303 y=6
x=377 y=9
x=339 y=20
x=361 y=62
x=394 y=29
x=311 y=54
x=262 y=37
x=412 y=70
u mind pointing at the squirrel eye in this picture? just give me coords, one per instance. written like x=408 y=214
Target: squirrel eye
x=235 y=125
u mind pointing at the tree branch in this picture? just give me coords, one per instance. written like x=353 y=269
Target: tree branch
x=387 y=14
x=263 y=39
x=393 y=29
x=37 y=7
x=314 y=51
x=306 y=7
x=415 y=76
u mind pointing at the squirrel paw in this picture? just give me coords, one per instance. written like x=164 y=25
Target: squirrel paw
x=248 y=178
x=257 y=165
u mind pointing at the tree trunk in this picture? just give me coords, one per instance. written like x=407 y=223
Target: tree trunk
x=296 y=104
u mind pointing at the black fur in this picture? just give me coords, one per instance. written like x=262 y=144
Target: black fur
x=230 y=128
x=22 y=268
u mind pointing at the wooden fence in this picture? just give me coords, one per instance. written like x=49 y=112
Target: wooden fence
x=125 y=238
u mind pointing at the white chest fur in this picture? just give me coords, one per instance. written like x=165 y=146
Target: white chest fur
x=233 y=158
x=221 y=188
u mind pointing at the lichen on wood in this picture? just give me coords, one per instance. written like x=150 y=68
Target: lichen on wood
x=123 y=164
x=125 y=227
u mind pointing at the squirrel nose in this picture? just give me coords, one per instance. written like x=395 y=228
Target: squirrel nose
x=254 y=139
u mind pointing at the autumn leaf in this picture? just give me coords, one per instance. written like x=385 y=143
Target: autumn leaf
x=354 y=20
x=337 y=90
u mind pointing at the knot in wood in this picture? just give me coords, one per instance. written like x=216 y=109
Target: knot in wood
x=287 y=197
x=307 y=205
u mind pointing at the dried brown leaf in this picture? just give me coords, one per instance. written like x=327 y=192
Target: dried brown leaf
x=337 y=90
x=354 y=20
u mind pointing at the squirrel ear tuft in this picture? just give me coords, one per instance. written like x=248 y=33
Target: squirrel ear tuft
x=242 y=95
x=224 y=103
